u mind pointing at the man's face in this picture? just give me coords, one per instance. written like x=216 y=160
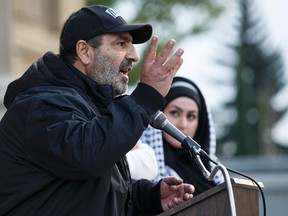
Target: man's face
x=112 y=61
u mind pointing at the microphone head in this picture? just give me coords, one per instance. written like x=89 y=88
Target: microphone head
x=158 y=120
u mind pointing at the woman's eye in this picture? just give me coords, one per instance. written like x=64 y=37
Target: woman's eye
x=174 y=113
x=191 y=117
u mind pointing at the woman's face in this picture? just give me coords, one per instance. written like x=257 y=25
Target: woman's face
x=183 y=113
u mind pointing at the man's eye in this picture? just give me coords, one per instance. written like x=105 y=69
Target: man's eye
x=121 y=43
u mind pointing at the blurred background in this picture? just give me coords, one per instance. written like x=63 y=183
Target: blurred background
x=236 y=51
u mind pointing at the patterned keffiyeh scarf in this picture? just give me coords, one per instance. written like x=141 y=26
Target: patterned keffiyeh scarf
x=177 y=162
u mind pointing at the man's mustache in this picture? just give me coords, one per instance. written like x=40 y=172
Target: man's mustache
x=125 y=64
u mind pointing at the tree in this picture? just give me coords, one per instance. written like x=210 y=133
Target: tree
x=259 y=75
x=169 y=18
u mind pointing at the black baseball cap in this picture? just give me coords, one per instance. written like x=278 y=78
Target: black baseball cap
x=91 y=21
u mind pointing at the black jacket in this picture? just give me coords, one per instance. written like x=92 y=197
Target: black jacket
x=63 y=142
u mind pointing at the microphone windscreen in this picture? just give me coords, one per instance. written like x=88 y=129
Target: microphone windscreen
x=158 y=120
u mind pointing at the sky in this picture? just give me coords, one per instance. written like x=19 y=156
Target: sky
x=201 y=52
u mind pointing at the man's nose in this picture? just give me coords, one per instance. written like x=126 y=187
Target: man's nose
x=132 y=54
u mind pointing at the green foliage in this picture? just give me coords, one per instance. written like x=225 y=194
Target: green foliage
x=195 y=16
x=177 y=18
x=259 y=74
x=100 y=2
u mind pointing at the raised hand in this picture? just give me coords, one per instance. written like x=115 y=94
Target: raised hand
x=157 y=71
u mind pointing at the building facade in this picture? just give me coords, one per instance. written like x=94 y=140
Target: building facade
x=28 y=29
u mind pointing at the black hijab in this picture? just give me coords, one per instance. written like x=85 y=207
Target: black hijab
x=180 y=159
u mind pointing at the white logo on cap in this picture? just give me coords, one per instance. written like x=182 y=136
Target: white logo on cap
x=111 y=12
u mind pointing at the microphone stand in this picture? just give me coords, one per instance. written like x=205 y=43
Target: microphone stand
x=195 y=151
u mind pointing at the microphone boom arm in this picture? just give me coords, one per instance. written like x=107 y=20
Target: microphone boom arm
x=194 y=151
x=160 y=121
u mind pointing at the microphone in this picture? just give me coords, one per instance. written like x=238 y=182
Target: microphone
x=160 y=121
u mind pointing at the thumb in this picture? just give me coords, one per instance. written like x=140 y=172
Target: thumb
x=171 y=180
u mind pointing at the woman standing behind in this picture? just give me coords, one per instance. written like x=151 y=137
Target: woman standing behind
x=186 y=109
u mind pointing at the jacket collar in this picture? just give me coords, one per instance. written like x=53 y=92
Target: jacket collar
x=53 y=70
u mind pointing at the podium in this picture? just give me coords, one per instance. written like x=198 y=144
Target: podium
x=215 y=201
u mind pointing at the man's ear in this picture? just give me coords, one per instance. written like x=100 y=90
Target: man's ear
x=82 y=50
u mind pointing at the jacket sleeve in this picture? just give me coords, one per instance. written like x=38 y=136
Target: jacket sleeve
x=146 y=198
x=67 y=137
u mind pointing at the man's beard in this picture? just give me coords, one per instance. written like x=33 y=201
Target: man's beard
x=105 y=71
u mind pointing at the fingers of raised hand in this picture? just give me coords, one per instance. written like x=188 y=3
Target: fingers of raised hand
x=163 y=55
x=174 y=63
x=160 y=61
x=152 y=49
